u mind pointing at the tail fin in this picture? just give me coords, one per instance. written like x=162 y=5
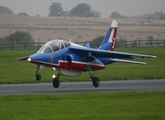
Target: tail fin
x=108 y=42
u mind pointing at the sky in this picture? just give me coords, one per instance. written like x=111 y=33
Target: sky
x=105 y=7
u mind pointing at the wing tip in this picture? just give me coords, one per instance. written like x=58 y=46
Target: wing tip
x=149 y=56
x=155 y=57
x=152 y=56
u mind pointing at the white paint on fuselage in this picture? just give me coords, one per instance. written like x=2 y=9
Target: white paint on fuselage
x=69 y=72
x=74 y=44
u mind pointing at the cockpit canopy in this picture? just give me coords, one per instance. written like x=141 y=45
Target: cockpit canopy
x=54 y=45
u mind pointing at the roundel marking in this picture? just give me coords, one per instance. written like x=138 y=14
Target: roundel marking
x=51 y=59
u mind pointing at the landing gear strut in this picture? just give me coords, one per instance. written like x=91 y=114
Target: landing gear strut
x=95 y=80
x=56 y=81
x=38 y=76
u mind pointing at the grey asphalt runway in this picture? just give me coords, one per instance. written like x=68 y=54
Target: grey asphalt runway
x=84 y=87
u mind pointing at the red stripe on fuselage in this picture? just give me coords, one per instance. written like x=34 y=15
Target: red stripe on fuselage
x=74 y=65
x=81 y=66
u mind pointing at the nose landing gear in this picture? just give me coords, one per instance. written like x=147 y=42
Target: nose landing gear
x=38 y=76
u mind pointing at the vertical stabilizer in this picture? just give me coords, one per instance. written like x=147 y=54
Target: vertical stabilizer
x=108 y=42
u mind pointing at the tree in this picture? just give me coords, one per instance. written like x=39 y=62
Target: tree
x=5 y=10
x=23 y=14
x=117 y=15
x=19 y=37
x=150 y=38
x=95 y=14
x=97 y=41
x=56 y=9
x=81 y=10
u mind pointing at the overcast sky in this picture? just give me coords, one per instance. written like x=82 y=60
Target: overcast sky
x=105 y=7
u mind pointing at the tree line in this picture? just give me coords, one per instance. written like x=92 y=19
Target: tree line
x=81 y=10
x=55 y=9
x=5 y=10
x=85 y=10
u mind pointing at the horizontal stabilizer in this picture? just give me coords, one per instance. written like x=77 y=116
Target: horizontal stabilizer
x=127 y=61
x=23 y=58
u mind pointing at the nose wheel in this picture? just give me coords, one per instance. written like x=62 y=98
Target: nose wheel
x=38 y=76
x=56 y=81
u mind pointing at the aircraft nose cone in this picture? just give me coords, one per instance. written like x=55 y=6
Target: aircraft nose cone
x=35 y=57
x=32 y=58
x=29 y=59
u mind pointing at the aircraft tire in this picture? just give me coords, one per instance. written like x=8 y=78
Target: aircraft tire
x=96 y=81
x=56 y=83
x=38 y=77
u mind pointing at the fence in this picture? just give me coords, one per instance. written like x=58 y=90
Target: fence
x=141 y=43
x=120 y=43
x=20 y=46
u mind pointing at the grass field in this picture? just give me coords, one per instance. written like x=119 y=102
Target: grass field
x=94 y=106
x=98 y=106
x=14 y=71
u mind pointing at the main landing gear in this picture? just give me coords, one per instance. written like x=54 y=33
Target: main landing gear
x=38 y=76
x=95 y=80
x=56 y=81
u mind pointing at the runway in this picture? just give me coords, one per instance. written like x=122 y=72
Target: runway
x=84 y=87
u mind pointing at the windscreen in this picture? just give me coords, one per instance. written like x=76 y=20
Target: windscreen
x=53 y=46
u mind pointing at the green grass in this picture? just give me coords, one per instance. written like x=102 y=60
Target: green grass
x=14 y=71
x=93 y=106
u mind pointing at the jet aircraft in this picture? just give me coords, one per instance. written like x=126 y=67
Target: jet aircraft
x=71 y=59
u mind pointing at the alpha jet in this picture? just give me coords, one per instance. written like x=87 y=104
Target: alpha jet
x=71 y=59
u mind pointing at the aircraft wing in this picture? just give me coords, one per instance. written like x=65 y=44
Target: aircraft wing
x=109 y=54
